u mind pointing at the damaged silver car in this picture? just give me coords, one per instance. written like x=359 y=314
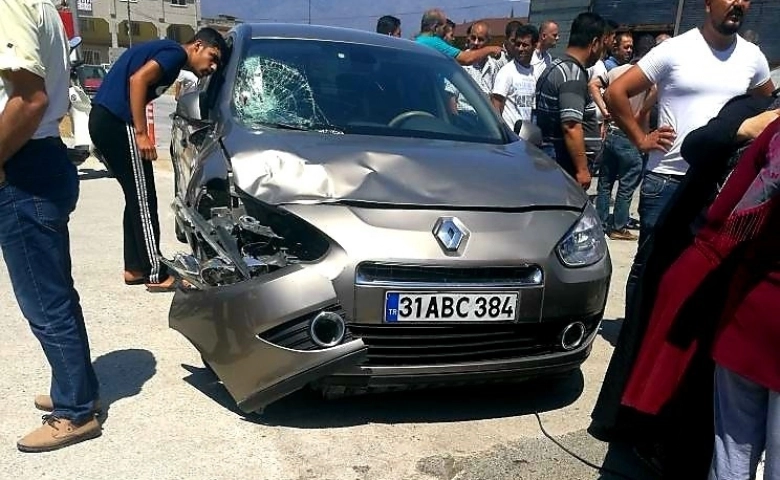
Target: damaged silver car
x=358 y=215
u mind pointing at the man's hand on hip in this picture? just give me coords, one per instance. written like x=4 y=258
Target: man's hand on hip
x=660 y=139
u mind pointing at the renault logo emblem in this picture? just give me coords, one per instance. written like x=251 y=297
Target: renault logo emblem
x=451 y=234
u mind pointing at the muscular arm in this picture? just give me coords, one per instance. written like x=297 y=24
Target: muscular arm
x=574 y=139
x=23 y=112
x=468 y=57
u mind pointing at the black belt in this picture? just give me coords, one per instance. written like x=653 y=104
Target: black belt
x=668 y=176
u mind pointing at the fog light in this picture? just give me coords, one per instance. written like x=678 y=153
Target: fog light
x=327 y=329
x=572 y=336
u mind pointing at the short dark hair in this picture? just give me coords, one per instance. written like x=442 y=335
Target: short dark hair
x=212 y=38
x=585 y=28
x=526 y=30
x=387 y=25
x=451 y=24
x=644 y=44
x=512 y=27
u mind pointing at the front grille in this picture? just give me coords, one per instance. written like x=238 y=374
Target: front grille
x=372 y=273
x=294 y=334
x=415 y=345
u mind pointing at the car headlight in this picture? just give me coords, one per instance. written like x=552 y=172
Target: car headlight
x=584 y=243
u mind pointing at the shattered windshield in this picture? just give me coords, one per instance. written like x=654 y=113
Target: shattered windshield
x=345 y=88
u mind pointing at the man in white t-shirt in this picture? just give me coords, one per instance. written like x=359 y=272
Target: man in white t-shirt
x=39 y=188
x=548 y=39
x=484 y=71
x=696 y=73
x=514 y=90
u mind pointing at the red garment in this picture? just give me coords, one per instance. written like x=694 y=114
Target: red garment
x=751 y=312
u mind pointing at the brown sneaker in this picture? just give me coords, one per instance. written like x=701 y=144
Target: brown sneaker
x=622 y=235
x=56 y=433
x=44 y=404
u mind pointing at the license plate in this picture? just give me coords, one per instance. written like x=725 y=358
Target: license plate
x=415 y=307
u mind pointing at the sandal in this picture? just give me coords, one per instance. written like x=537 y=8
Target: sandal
x=132 y=278
x=169 y=285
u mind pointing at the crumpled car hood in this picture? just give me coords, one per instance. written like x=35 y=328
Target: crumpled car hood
x=289 y=167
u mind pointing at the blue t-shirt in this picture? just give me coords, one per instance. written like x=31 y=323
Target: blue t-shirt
x=439 y=44
x=114 y=92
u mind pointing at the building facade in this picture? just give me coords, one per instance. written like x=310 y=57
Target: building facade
x=656 y=16
x=103 y=24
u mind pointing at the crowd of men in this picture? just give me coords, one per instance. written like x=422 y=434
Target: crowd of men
x=709 y=165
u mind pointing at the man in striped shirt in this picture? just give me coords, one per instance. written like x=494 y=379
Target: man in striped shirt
x=565 y=111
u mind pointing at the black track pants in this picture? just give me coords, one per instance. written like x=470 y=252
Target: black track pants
x=116 y=141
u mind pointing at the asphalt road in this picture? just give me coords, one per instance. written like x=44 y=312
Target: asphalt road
x=168 y=418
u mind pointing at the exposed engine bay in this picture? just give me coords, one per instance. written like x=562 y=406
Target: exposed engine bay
x=234 y=245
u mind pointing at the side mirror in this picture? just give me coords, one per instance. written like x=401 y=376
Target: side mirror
x=75 y=52
x=529 y=132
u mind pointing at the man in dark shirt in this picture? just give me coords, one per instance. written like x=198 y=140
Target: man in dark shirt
x=117 y=125
x=565 y=111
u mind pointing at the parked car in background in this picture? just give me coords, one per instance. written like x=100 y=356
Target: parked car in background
x=348 y=229
x=90 y=78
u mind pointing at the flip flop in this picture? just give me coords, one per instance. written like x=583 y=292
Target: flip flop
x=136 y=281
x=159 y=288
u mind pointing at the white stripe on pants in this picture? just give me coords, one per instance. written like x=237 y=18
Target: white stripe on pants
x=143 y=204
x=747 y=422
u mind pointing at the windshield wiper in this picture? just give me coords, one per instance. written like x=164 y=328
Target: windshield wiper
x=313 y=127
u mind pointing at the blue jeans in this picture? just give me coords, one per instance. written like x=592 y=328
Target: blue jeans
x=654 y=195
x=41 y=191
x=747 y=423
x=620 y=162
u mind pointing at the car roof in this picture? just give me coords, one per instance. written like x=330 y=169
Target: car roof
x=332 y=34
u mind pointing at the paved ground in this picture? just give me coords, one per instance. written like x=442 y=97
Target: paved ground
x=168 y=419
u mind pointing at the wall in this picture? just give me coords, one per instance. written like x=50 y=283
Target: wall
x=562 y=12
x=103 y=24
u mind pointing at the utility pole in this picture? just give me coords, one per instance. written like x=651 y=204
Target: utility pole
x=678 y=18
x=129 y=26
x=309 y=12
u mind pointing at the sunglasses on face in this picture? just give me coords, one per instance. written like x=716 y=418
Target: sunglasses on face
x=475 y=38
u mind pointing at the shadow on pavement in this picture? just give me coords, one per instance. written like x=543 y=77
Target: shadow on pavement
x=92 y=174
x=610 y=330
x=308 y=409
x=122 y=374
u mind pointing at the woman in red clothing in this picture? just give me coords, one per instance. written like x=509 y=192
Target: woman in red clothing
x=673 y=314
x=740 y=235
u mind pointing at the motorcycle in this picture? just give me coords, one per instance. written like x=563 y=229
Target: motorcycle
x=80 y=146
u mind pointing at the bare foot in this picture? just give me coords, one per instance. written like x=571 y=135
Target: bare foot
x=167 y=285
